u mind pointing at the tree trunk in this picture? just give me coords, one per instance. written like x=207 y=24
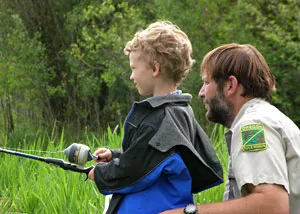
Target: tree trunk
x=7 y=116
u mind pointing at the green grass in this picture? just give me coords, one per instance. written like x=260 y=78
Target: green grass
x=215 y=194
x=31 y=186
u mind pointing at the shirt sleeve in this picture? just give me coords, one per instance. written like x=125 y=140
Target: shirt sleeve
x=262 y=165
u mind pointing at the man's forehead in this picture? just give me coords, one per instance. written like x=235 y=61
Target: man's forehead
x=205 y=75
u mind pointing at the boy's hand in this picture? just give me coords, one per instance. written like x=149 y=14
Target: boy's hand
x=103 y=154
x=91 y=175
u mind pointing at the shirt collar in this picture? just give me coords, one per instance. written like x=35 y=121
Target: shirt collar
x=244 y=108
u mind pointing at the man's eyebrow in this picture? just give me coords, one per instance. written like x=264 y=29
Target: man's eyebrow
x=203 y=77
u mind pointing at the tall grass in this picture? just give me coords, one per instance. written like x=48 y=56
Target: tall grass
x=30 y=186
x=215 y=194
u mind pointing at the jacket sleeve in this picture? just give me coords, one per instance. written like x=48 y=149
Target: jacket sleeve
x=116 y=153
x=131 y=166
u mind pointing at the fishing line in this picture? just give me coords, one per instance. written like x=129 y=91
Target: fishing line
x=37 y=151
x=76 y=153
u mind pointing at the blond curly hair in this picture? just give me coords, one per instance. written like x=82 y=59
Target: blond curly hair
x=167 y=44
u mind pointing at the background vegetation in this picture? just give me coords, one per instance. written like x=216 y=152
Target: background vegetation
x=30 y=186
x=65 y=79
x=62 y=63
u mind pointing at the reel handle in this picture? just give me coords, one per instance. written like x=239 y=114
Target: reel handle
x=68 y=166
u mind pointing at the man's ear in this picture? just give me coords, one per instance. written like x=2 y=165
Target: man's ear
x=156 y=69
x=231 y=85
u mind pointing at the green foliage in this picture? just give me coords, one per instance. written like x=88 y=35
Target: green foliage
x=30 y=186
x=276 y=25
x=62 y=63
x=22 y=75
x=96 y=60
x=208 y=24
x=272 y=26
x=215 y=194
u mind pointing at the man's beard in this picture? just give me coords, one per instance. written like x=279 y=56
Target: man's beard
x=220 y=110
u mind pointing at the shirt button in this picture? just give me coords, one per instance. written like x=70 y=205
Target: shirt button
x=157 y=144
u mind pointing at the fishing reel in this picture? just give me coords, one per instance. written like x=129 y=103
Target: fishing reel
x=79 y=154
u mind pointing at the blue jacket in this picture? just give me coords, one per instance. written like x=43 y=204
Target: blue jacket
x=165 y=158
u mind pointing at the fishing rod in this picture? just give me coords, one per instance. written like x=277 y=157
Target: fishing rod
x=76 y=153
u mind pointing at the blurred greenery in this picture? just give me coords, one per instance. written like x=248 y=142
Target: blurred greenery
x=62 y=63
x=30 y=186
x=65 y=78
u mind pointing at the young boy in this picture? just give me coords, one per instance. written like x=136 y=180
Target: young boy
x=163 y=145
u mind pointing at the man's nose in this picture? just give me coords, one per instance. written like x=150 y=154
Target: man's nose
x=201 y=92
x=131 y=76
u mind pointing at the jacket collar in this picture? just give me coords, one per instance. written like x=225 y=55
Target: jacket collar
x=170 y=98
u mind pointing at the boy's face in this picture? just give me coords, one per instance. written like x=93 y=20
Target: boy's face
x=142 y=74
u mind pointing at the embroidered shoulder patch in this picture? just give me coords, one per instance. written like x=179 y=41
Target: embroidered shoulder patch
x=253 y=138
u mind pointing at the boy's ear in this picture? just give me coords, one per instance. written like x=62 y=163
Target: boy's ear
x=156 y=69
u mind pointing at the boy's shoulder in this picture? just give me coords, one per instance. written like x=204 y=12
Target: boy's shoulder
x=155 y=109
x=158 y=101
